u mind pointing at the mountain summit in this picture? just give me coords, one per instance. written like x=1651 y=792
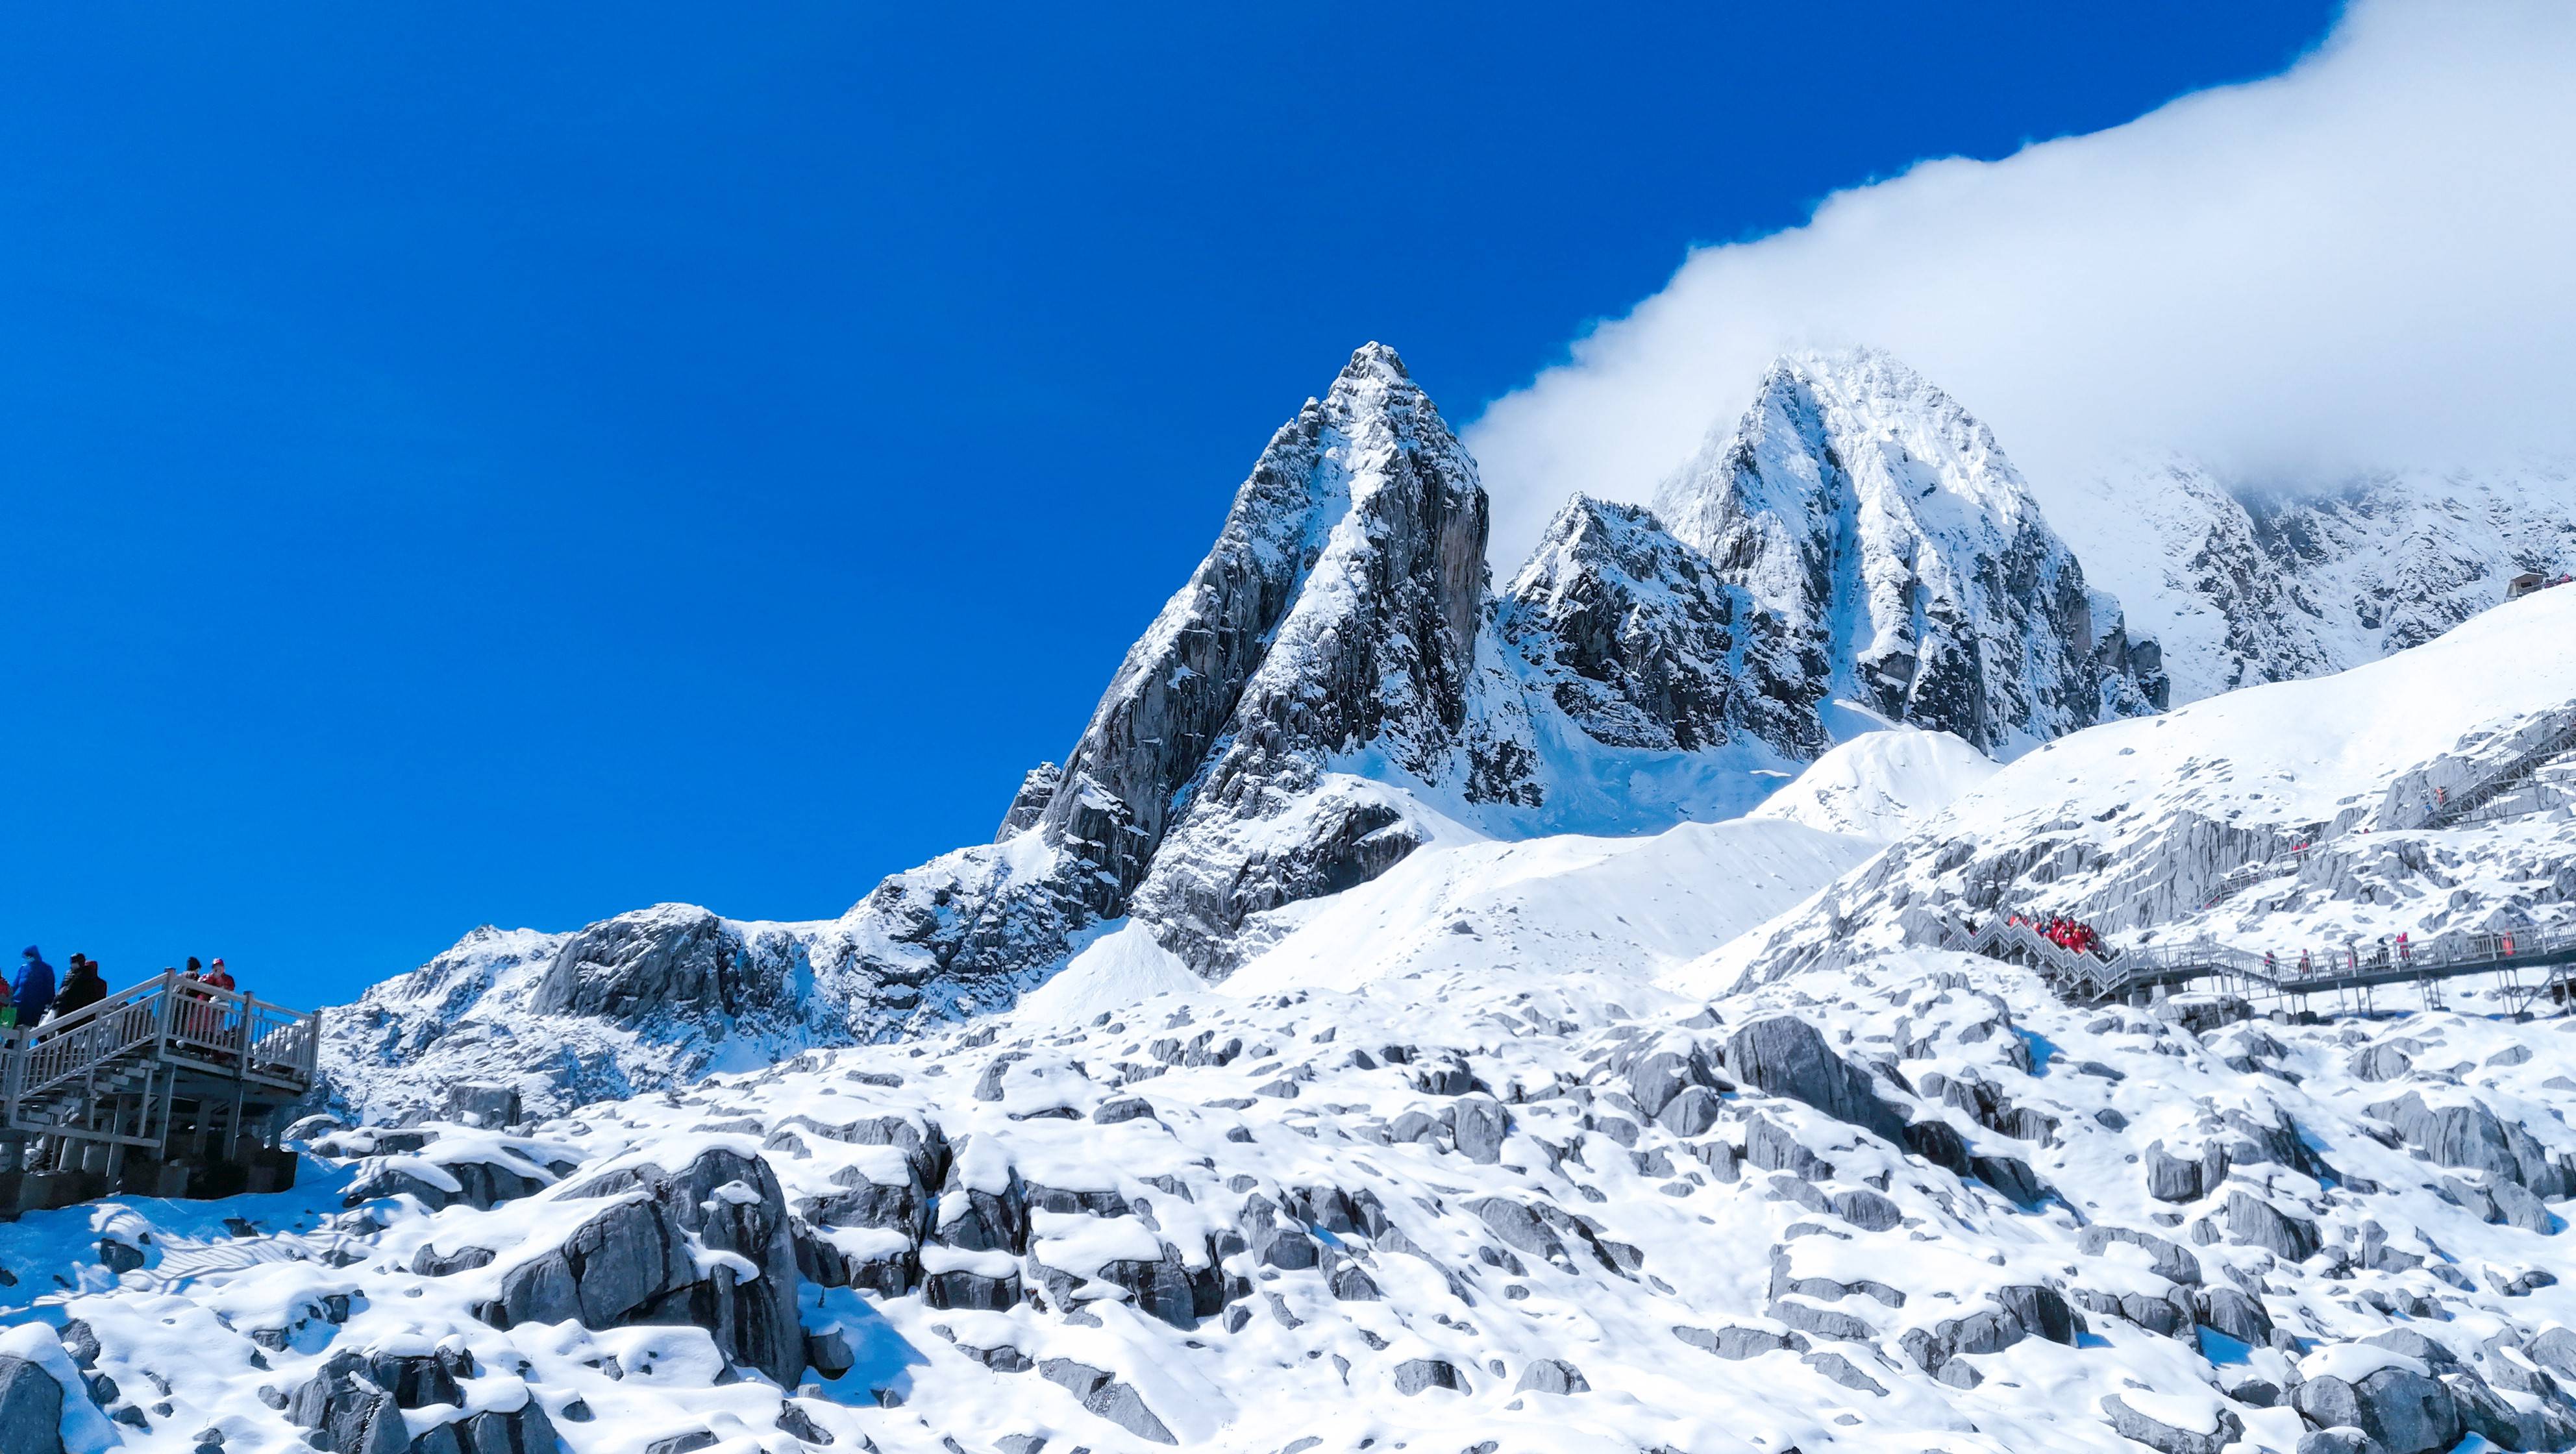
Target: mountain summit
x=1902 y=556
x=1339 y=685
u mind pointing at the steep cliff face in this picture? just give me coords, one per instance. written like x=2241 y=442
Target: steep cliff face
x=1904 y=557
x=1367 y=674
x=2245 y=582
x=1338 y=602
x=1635 y=637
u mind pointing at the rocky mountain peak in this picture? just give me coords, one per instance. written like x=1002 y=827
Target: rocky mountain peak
x=1343 y=592
x=1883 y=526
x=1641 y=643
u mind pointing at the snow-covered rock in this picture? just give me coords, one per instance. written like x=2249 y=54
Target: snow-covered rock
x=1903 y=559
x=2243 y=583
x=2302 y=817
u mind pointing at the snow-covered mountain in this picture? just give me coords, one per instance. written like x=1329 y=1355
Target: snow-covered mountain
x=1894 y=549
x=1339 y=686
x=2242 y=584
x=1488 y=1151
x=2294 y=817
x=1417 y=1015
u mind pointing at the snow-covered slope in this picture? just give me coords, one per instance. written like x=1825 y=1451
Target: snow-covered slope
x=1909 y=1204
x=2284 y=817
x=1337 y=686
x=1881 y=785
x=2243 y=585
x=1317 y=1089
x=1903 y=557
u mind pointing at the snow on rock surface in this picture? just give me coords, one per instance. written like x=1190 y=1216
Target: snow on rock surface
x=2296 y=817
x=1909 y=1203
x=1889 y=542
x=2242 y=584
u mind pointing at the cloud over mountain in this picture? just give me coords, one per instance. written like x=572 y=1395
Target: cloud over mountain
x=2358 y=263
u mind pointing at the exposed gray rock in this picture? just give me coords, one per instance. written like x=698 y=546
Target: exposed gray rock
x=1029 y=804
x=1479 y=1126
x=2469 y=1135
x=2171 y=1178
x=2237 y=1315
x=1169 y=1289
x=2252 y=1220
x=1785 y=1056
x=2502 y=1422
x=1551 y=1375
x=1939 y=1143
x=1823 y=1322
x=1690 y=1112
x=1843 y=1371
x=31 y=1408
x=669 y=958
x=634 y=1263
x=482 y=1103
x=2013 y=1177
x=2171 y=1262
x=1637 y=640
x=1414 y=1375
x=2167 y=1439
x=1520 y=1228
x=1737 y=1344
x=2401 y=1410
x=2020 y=1312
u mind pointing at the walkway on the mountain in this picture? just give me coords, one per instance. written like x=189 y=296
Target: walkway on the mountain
x=2347 y=970
x=2342 y=970
x=164 y=1088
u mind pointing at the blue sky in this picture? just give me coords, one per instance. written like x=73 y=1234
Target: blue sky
x=467 y=465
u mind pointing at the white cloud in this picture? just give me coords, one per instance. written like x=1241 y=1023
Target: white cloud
x=2368 y=260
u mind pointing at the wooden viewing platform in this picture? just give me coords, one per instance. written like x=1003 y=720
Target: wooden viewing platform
x=165 y=1088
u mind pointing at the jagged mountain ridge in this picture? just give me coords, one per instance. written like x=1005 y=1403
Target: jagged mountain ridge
x=1895 y=549
x=1338 y=684
x=2243 y=582
x=2295 y=818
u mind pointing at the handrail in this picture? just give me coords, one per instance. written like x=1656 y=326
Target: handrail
x=2481 y=791
x=175 y=1016
x=2338 y=966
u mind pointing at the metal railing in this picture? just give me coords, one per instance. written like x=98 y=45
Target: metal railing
x=167 y=1018
x=2520 y=768
x=2307 y=970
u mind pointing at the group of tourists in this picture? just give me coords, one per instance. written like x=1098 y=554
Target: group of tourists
x=2073 y=935
x=34 y=995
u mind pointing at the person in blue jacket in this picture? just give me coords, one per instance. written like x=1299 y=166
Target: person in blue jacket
x=33 y=994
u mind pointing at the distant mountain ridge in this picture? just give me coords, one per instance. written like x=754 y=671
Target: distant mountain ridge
x=1339 y=684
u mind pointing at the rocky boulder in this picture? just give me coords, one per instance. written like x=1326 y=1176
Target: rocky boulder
x=634 y=1263
x=1786 y=1056
x=2161 y=1432
x=669 y=958
x=31 y=1409
x=2397 y=1404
